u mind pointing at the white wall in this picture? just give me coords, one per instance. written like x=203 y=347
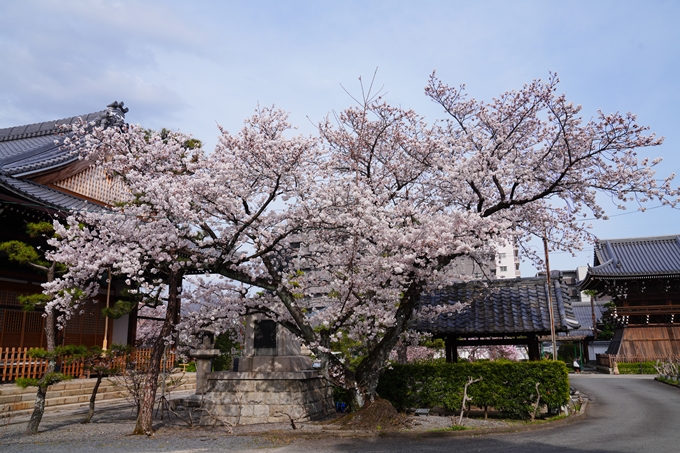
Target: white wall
x=120 y=330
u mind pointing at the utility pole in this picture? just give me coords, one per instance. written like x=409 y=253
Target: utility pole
x=550 y=302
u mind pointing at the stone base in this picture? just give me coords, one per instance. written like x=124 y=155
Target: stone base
x=247 y=398
x=274 y=363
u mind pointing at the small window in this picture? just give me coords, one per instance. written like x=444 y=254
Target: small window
x=504 y=268
x=502 y=256
x=295 y=245
x=516 y=266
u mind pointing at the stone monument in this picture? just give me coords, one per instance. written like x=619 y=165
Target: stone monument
x=272 y=382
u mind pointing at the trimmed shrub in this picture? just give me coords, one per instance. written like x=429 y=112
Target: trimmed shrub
x=637 y=368
x=510 y=387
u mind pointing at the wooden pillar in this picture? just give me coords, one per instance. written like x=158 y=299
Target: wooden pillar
x=534 y=350
x=451 y=349
x=23 y=328
x=132 y=327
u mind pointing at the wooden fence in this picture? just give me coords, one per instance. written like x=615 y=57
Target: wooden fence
x=607 y=360
x=15 y=363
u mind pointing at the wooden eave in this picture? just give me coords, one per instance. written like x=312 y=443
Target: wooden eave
x=52 y=176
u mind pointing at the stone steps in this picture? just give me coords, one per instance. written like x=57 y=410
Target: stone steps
x=70 y=394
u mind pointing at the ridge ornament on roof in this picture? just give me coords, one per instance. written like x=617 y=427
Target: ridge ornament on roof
x=115 y=115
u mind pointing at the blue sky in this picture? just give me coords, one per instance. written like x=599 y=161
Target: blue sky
x=191 y=65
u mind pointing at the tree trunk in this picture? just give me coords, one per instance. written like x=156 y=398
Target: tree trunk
x=368 y=372
x=357 y=399
x=402 y=352
x=93 y=397
x=39 y=406
x=145 y=416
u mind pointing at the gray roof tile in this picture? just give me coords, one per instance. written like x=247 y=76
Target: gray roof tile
x=39 y=159
x=16 y=140
x=34 y=149
x=45 y=196
x=584 y=316
x=501 y=307
x=636 y=257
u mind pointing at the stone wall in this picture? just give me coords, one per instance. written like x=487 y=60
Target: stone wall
x=252 y=397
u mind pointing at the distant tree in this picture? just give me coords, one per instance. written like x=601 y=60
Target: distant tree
x=608 y=324
x=103 y=363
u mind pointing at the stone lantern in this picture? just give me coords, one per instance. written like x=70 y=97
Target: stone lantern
x=204 y=358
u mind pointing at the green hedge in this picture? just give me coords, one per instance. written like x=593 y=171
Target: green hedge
x=509 y=387
x=637 y=368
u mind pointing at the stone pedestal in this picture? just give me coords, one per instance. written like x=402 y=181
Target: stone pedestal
x=271 y=382
x=254 y=397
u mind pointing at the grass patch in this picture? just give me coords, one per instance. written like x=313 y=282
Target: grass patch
x=668 y=381
x=553 y=418
x=450 y=428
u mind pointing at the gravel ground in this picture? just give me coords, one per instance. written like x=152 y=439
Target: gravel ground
x=110 y=431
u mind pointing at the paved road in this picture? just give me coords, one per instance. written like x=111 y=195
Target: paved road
x=627 y=414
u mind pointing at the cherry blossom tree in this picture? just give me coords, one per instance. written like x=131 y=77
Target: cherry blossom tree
x=138 y=240
x=336 y=237
x=493 y=352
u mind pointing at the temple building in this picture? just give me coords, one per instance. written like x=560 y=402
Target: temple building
x=642 y=276
x=40 y=180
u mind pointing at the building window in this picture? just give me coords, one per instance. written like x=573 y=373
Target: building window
x=516 y=266
x=502 y=256
x=504 y=268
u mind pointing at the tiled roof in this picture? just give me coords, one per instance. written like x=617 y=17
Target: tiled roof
x=45 y=196
x=636 y=257
x=40 y=159
x=18 y=139
x=583 y=312
x=499 y=307
x=34 y=149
